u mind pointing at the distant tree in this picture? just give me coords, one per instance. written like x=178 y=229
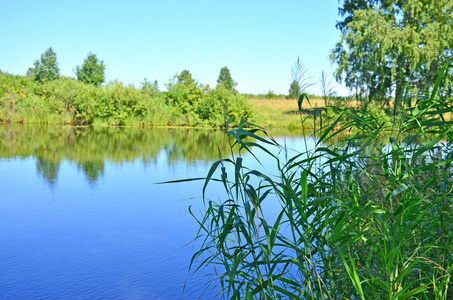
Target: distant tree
x=92 y=71
x=294 y=90
x=185 y=77
x=299 y=82
x=31 y=72
x=271 y=95
x=46 y=69
x=225 y=79
x=383 y=41
x=150 y=87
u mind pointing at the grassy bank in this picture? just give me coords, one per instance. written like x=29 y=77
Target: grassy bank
x=68 y=101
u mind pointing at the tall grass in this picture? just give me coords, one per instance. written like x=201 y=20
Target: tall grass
x=370 y=217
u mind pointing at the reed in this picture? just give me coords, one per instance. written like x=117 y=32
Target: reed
x=369 y=216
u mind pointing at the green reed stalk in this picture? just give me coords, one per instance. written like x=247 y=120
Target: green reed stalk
x=370 y=217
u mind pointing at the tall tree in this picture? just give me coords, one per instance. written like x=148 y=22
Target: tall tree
x=92 y=71
x=46 y=69
x=383 y=41
x=299 y=82
x=225 y=79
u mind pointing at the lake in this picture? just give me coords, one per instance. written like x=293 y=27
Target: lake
x=81 y=215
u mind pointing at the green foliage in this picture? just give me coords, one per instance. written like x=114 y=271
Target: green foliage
x=383 y=42
x=370 y=216
x=184 y=92
x=46 y=69
x=270 y=95
x=150 y=87
x=202 y=106
x=294 y=90
x=264 y=96
x=224 y=108
x=186 y=78
x=92 y=71
x=225 y=79
x=31 y=72
x=66 y=100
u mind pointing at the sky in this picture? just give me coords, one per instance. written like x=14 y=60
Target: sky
x=259 y=41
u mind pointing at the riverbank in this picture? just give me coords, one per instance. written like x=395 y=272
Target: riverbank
x=68 y=101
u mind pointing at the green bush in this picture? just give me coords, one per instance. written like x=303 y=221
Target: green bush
x=66 y=100
x=222 y=107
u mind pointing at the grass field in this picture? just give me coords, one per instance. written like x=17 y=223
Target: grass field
x=284 y=113
x=278 y=113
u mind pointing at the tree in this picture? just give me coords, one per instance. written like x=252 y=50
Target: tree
x=294 y=90
x=225 y=79
x=183 y=92
x=31 y=72
x=46 y=69
x=92 y=71
x=383 y=41
x=150 y=87
x=186 y=78
x=299 y=83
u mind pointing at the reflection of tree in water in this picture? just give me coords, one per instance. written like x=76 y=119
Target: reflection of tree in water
x=92 y=170
x=196 y=145
x=90 y=147
x=48 y=170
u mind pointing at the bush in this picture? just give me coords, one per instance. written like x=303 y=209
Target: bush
x=67 y=100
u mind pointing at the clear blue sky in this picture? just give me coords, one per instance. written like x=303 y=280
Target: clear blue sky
x=258 y=41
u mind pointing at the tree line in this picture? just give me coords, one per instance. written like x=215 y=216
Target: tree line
x=46 y=96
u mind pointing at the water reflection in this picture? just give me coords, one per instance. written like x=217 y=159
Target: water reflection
x=124 y=239
x=90 y=147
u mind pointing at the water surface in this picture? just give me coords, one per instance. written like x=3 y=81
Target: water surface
x=81 y=217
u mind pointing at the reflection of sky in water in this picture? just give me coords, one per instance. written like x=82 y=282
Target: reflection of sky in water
x=124 y=237
x=102 y=229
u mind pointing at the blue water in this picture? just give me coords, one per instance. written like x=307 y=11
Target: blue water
x=120 y=236
x=123 y=238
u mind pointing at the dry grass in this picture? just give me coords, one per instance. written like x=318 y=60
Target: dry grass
x=288 y=105
x=283 y=113
x=284 y=105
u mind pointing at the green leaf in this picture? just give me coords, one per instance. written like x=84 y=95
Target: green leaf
x=401 y=188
